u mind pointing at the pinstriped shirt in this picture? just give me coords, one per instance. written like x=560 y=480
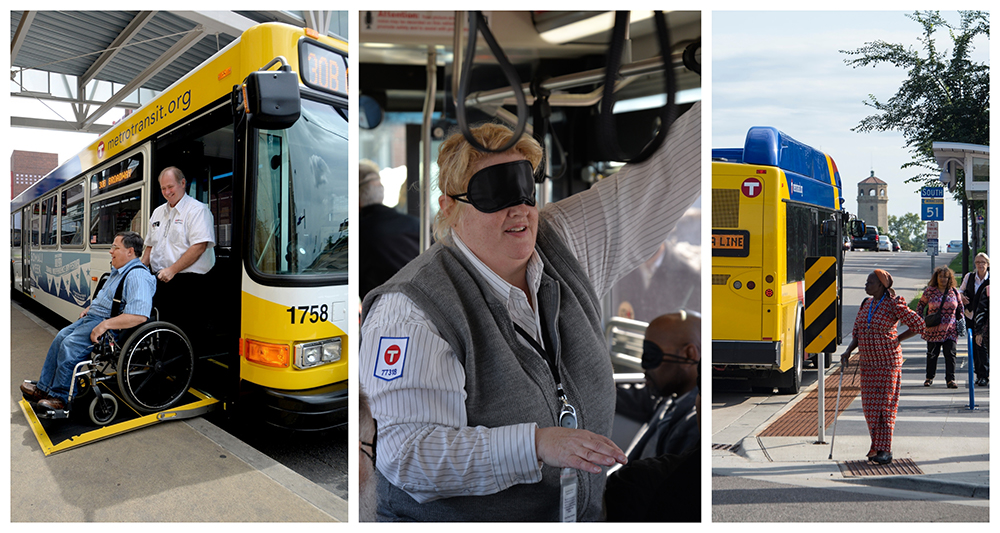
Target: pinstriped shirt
x=430 y=452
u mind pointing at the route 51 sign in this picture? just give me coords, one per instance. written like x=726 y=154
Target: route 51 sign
x=932 y=209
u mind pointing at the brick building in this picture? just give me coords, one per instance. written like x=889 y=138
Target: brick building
x=26 y=168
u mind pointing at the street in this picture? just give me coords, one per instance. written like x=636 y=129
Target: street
x=760 y=477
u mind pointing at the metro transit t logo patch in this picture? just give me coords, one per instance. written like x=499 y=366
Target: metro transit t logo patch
x=391 y=357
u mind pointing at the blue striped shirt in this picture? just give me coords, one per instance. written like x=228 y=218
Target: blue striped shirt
x=138 y=293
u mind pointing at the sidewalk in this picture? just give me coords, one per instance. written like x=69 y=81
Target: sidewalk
x=181 y=471
x=934 y=428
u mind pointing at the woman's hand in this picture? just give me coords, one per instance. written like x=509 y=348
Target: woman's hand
x=576 y=448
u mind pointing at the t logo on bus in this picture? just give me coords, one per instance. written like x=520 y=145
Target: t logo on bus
x=751 y=187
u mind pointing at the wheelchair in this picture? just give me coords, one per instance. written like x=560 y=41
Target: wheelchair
x=152 y=365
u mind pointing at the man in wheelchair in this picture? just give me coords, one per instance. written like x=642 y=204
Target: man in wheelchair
x=75 y=342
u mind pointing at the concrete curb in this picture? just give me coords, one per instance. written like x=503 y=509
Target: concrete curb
x=921 y=484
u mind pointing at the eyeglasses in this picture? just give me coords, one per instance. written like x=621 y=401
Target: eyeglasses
x=371 y=444
x=653 y=356
x=500 y=186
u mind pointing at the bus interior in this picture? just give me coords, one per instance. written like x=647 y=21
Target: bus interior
x=411 y=66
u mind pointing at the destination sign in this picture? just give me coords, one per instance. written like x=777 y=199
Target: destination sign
x=730 y=243
x=323 y=68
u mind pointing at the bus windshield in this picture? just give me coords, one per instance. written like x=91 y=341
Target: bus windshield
x=300 y=224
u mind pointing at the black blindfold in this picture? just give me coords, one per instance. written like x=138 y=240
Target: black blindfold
x=652 y=356
x=500 y=186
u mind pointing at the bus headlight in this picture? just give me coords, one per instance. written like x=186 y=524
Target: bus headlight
x=311 y=354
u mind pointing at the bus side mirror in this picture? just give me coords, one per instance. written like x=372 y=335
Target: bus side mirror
x=857 y=228
x=271 y=99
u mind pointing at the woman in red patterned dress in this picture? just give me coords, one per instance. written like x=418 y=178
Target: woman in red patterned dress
x=881 y=358
x=941 y=294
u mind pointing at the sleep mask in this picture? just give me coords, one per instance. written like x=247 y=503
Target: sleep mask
x=500 y=186
x=652 y=356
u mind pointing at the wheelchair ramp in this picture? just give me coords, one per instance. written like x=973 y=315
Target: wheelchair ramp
x=59 y=435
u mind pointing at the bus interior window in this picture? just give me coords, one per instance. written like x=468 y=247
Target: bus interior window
x=15 y=230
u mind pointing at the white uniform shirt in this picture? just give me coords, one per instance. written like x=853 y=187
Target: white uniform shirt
x=429 y=450
x=173 y=230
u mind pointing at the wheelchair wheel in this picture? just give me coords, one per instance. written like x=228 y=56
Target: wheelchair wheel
x=155 y=367
x=103 y=409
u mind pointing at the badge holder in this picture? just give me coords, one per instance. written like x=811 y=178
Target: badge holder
x=567 y=480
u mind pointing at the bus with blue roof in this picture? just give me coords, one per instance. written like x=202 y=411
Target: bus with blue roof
x=775 y=201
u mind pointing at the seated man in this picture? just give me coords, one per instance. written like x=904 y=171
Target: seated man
x=671 y=352
x=75 y=342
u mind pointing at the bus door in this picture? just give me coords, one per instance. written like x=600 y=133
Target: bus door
x=737 y=239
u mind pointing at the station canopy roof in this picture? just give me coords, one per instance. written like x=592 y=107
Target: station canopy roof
x=122 y=58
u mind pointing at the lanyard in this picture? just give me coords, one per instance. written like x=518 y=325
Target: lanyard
x=552 y=361
x=871 y=310
x=567 y=419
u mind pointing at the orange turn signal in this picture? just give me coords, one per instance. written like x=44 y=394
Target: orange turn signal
x=275 y=355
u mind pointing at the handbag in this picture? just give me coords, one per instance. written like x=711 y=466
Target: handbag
x=959 y=321
x=933 y=319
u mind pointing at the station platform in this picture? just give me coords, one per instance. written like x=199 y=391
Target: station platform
x=176 y=471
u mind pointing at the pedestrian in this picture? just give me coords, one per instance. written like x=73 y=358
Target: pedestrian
x=942 y=298
x=973 y=286
x=881 y=358
x=982 y=329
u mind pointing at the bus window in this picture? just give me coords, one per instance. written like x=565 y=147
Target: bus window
x=34 y=224
x=108 y=216
x=15 y=230
x=301 y=204
x=72 y=216
x=49 y=222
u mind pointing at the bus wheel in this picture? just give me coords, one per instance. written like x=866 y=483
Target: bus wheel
x=156 y=366
x=794 y=378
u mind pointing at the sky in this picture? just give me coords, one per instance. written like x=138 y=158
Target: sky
x=795 y=79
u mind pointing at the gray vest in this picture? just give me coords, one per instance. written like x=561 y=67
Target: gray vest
x=507 y=382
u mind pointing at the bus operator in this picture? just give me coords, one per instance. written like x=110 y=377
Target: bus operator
x=484 y=353
x=75 y=342
x=180 y=250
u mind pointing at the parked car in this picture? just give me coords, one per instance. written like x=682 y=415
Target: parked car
x=884 y=244
x=895 y=246
x=954 y=246
x=868 y=241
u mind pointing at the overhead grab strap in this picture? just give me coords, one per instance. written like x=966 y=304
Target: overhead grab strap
x=540 y=112
x=607 y=132
x=477 y=23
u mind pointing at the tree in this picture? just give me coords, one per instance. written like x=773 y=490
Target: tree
x=942 y=99
x=910 y=231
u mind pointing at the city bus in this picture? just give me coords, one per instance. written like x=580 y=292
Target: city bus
x=277 y=187
x=775 y=201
